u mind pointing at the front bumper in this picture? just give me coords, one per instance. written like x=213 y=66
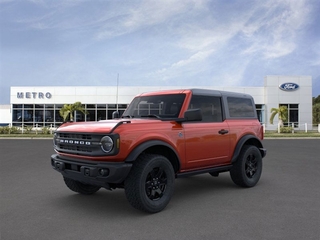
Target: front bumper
x=93 y=173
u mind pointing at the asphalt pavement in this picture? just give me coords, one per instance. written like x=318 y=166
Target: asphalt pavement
x=285 y=204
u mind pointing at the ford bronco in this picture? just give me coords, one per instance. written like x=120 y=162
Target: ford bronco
x=162 y=136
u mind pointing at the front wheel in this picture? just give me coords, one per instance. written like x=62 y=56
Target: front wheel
x=247 y=169
x=150 y=183
x=79 y=187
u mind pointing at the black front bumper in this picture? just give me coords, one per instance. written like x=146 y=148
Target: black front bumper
x=89 y=172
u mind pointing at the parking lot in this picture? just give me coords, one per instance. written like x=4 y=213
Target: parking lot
x=35 y=203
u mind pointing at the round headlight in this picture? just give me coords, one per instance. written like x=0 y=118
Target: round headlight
x=106 y=144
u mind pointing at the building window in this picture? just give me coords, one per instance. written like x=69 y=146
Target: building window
x=293 y=115
x=49 y=115
x=101 y=112
x=113 y=107
x=57 y=118
x=260 y=108
x=39 y=115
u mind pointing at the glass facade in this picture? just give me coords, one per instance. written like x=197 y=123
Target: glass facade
x=293 y=115
x=40 y=115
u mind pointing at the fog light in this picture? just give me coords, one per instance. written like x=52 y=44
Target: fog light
x=104 y=172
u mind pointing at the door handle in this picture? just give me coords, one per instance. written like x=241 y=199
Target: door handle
x=223 y=131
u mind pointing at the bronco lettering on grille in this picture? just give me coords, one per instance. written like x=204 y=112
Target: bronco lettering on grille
x=76 y=142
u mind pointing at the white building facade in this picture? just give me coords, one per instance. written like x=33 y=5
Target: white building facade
x=39 y=106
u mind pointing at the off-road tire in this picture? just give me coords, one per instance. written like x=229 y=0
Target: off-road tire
x=247 y=170
x=79 y=187
x=150 y=183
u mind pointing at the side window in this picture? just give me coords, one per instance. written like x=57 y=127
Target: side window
x=240 y=107
x=210 y=107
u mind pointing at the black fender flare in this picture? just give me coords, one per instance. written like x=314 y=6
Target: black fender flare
x=252 y=140
x=151 y=143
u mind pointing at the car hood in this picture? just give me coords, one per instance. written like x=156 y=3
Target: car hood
x=104 y=126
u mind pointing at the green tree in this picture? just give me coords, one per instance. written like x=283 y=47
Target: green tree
x=316 y=110
x=66 y=112
x=316 y=100
x=282 y=112
x=316 y=113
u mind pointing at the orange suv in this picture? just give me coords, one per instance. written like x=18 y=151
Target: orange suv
x=162 y=136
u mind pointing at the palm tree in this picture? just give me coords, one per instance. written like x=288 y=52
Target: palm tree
x=282 y=112
x=68 y=109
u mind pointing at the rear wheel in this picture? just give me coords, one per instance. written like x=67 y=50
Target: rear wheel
x=79 y=187
x=150 y=183
x=247 y=169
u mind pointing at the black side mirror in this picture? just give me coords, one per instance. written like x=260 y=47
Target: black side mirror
x=115 y=114
x=193 y=115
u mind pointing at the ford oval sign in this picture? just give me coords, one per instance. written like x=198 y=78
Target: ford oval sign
x=289 y=86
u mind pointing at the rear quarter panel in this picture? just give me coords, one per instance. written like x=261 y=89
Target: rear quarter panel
x=239 y=128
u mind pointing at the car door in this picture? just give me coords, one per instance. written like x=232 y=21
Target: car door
x=207 y=141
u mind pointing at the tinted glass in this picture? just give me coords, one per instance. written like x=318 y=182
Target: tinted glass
x=210 y=107
x=240 y=107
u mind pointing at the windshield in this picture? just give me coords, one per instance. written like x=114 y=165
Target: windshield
x=159 y=106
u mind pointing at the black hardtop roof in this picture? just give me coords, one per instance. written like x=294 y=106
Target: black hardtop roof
x=202 y=91
x=212 y=92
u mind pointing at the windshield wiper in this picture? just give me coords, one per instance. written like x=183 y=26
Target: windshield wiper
x=127 y=116
x=151 y=116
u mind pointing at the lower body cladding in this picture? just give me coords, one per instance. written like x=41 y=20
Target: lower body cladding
x=100 y=174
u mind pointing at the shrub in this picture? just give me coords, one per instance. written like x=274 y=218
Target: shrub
x=27 y=129
x=4 y=130
x=14 y=130
x=286 y=130
x=45 y=130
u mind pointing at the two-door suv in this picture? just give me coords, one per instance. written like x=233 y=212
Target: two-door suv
x=162 y=136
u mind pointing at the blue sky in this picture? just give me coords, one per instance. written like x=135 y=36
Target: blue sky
x=163 y=42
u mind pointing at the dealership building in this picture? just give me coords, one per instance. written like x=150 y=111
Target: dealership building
x=39 y=106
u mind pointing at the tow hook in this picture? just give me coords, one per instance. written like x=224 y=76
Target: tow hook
x=59 y=165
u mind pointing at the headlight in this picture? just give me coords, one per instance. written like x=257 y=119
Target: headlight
x=55 y=140
x=106 y=144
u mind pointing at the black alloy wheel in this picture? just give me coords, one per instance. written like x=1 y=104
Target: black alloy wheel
x=156 y=183
x=251 y=165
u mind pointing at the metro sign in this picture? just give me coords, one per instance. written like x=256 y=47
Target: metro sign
x=34 y=95
x=288 y=86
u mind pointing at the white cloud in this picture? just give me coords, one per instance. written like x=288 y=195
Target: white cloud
x=185 y=63
x=141 y=14
x=274 y=30
x=197 y=57
x=316 y=60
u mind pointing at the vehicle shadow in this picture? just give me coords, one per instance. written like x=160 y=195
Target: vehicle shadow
x=203 y=184
x=106 y=202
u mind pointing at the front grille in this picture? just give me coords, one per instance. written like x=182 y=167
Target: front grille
x=75 y=136
x=75 y=148
x=78 y=144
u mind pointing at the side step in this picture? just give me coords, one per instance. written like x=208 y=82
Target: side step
x=206 y=170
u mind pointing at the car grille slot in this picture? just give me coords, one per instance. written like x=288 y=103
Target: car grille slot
x=75 y=136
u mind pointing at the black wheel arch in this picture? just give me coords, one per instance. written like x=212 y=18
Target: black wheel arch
x=247 y=140
x=156 y=147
